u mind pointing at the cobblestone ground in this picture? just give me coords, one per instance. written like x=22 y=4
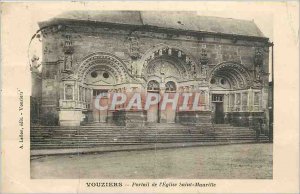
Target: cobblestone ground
x=244 y=161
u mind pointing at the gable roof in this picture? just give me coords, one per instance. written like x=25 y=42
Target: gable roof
x=182 y=20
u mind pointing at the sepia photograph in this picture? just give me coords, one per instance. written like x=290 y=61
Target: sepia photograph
x=149 y=97
x=151 y=94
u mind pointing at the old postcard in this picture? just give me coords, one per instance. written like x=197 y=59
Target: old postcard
x=150 y=97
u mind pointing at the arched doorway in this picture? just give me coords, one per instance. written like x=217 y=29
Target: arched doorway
x=229 y=83
x=156 y=114
x=100 y=79
x=153 y=114
x=99 y=74
x=168 y=65
x=160 y=72
x=169 y=113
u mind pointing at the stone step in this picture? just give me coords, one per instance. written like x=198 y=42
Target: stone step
x=101 y=135
x=148 y=135
x=144 y=140
x=138 y=135
x=51 y=146
x=143 y=134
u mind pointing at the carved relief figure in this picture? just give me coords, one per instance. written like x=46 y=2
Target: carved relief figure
x=134 y=47
x=68 y=51
x=258 y=62
x=203 y=57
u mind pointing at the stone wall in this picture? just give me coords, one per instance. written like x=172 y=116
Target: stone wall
x=117 y=41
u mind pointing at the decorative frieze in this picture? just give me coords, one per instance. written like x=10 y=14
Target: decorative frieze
x=107 y=60
x=183 y=61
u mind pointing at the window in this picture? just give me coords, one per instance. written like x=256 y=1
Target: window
x=105 y=75
x=170 y=86
x=223 y=81
x=213 y=81
x=238 y=99
x=231 y=99
x=244 y=98
x=217 y=98
x=256 y=98
x=104 y=93
x=94 y=74
x=153 y=85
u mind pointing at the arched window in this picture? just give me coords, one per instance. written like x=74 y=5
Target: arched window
x=170 y=86
x=153 y=85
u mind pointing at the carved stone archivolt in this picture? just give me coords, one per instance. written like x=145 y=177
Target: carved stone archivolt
x=236 y=75
x=182 y=62
x=112 y=63
x=165 y=68
x=102 y=74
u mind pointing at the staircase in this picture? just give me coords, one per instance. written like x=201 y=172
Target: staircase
x=228 y=133
x=92 y=135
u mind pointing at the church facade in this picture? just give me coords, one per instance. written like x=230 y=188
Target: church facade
x=87 y=54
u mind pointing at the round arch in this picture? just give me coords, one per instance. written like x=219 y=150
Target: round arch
x=236 y=74
x=170 y=86
x=107 y=74
x=184 y=61
x=104 y=60
x=153 y=85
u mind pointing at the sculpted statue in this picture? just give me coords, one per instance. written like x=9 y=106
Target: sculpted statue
x=35 y=64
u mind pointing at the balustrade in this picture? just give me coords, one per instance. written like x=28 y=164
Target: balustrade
x=72 y=104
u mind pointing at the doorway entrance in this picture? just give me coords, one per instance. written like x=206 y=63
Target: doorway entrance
x=218 y=110
x=100 y=116
x=153 y=114
x=169 y=113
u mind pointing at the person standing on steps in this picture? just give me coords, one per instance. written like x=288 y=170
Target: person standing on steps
x=258 y=129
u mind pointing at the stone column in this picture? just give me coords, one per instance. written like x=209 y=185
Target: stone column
x=162 y=114
x=226 y=104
